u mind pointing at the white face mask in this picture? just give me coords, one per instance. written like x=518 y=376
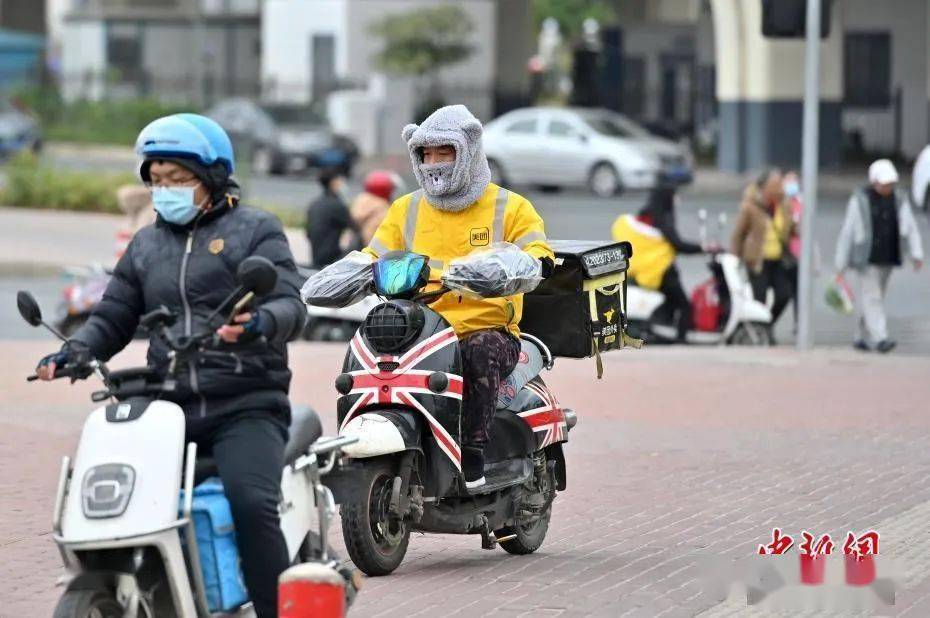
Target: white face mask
x=175 y=204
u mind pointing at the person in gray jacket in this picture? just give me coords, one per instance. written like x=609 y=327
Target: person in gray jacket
x=879 y=231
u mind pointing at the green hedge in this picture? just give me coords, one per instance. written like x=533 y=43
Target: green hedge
x=32 y=185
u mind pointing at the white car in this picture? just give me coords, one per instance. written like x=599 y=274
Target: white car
x=920 y=180
x=600 y=149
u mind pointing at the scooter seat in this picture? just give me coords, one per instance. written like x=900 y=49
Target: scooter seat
x=528 y=367
x=305 y=429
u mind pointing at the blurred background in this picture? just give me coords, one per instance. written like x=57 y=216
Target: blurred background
x=588 y=104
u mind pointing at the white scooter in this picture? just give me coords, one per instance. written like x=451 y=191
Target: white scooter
x=123 y=510
x=745 y=321
x=335 y=324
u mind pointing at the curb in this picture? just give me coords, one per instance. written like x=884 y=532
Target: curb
x=30 y=269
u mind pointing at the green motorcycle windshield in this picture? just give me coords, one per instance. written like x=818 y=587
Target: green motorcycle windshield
x=397 y=275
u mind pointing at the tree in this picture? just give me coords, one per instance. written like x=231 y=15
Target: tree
x=571 y=14
x=421 y=42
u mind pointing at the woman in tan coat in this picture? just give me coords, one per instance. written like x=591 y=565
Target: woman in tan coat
x=760 y=239
x=371 y=206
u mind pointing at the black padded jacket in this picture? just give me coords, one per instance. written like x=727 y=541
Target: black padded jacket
x=191 y=270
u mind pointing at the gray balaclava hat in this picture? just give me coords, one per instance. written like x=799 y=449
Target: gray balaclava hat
x=450 y=186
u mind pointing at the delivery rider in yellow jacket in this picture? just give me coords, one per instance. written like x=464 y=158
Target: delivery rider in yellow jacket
x=458 y=210
x=656 y=243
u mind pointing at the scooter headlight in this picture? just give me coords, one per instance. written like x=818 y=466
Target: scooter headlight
x=393 y=325
x=106 y=490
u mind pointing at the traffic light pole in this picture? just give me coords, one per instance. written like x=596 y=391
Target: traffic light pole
x=809 y=164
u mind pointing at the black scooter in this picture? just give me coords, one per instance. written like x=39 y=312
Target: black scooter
x=401 y=397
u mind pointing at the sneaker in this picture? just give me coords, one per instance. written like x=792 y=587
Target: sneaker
x=886 y=345
x=861 y=345
x=473 y=466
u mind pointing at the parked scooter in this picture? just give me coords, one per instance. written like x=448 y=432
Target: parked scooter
x=79 y=297
x=123 y=510
x=725 y=307
x=401 y=398
x=86 y=284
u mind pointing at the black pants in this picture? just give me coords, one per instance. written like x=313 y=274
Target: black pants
x=488 y=356
x=773 y=275
x=676 y=305
x=249 y=452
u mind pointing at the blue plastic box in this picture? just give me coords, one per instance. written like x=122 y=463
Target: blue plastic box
x=219 y=554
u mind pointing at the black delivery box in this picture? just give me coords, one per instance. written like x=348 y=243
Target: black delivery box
x=580 y=311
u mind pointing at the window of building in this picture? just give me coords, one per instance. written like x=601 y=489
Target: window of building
x=867 y=69
x=124 y=52
x=634 y=85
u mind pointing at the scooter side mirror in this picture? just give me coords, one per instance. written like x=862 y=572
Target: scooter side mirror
x=30 y=311
x=29 y=308
x=257 y=274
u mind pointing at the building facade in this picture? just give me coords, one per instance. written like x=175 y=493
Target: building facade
x=185 y=50
x=704 y=66
x=324 y=51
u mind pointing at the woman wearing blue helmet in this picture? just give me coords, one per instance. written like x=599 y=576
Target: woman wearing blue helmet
x=235 y=398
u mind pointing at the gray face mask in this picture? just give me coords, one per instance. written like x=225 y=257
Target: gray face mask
x=437 y=177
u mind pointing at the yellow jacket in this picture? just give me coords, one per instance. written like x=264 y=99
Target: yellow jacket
x=412 y=224
x=652 y=253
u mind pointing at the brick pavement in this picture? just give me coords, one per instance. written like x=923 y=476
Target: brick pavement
x=679 y=455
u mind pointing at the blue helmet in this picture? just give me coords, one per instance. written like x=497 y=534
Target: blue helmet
x=187 y=136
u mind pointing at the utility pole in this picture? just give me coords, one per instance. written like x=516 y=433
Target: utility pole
x=199 y=56
x=810 y=152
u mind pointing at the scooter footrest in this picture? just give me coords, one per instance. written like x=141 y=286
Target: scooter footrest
x=499 y=475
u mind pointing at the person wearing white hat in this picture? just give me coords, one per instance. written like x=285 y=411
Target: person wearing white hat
x=878 y=232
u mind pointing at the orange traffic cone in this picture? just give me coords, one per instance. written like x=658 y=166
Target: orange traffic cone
x=312 y=590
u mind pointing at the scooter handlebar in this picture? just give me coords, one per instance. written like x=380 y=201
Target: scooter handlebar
x=75 y=372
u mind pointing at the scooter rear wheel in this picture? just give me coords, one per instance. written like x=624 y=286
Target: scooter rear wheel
x=527 y=538
x=375 y=540
x=95 y=603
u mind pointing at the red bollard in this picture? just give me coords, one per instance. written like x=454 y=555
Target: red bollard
x=312 y=590
x=860 y=570
x=812 y=569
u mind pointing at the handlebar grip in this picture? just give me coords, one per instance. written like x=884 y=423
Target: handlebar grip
x=32 y=378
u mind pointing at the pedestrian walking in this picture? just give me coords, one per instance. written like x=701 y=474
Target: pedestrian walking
x=328 y=219
x=761 y=239
x=878 y=232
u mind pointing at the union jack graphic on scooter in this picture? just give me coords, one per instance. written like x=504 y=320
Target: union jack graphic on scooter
x=401 y=396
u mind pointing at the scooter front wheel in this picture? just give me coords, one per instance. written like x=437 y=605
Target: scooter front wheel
x=375 y=540
x=94 y=603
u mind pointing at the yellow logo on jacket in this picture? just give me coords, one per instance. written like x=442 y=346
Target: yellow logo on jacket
x=480 y=236
x=609 y=315
x=216 y=245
